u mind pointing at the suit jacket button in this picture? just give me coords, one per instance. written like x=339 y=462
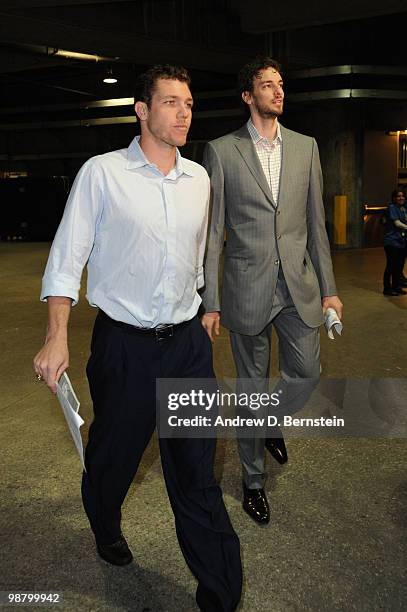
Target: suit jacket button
x=278 y=237
x=276 y=262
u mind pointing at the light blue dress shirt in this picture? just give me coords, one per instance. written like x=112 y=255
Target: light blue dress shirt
x=142 y=235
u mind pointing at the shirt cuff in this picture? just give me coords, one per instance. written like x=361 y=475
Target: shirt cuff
x=62 y=286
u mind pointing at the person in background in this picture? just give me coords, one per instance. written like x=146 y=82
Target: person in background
x=403 y=276
x=395 y=245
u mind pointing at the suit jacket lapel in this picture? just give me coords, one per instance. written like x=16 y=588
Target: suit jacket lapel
x=245 y=147
x=287 y=158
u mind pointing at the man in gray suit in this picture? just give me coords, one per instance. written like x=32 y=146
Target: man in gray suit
x=267 y=193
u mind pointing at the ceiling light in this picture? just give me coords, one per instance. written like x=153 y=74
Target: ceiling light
x=75 y=55
x=110 y=79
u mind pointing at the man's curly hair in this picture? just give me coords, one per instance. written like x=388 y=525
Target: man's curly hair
x=252 y=69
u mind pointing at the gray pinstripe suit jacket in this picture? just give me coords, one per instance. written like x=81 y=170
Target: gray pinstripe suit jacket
x=263 y=234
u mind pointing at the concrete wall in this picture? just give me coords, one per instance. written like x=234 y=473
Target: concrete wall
x=338 y=130
x=380 y=166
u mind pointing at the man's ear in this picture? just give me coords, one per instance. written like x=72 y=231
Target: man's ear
x=141 y=110
x=246 y=97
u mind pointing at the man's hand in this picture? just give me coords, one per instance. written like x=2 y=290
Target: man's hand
x=332 y=301
x=53 y=359
x=211 y=321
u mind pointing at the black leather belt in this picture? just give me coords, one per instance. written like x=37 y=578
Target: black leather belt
x=161 y=332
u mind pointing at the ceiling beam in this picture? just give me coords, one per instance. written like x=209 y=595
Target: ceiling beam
x=142 y=50
x=259 y=16
x=15 y=60
x=110 y=102
x=16 y=4
x=100 y=121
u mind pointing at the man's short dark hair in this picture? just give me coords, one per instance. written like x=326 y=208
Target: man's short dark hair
x=252 y=69
x=146 y=82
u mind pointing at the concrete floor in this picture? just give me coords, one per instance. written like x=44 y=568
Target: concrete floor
x=337 y=538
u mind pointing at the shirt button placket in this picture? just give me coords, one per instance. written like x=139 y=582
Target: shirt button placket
x=170 y=270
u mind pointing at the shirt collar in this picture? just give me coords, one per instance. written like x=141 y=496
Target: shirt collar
x=137 y=159
x=256 y=137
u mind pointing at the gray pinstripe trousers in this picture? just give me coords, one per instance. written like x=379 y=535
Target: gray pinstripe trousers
x=298 y=359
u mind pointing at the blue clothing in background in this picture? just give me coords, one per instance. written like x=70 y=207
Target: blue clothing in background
x=394 y=236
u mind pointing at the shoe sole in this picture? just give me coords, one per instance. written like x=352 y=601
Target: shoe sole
x=118 y=564
x=261 y=523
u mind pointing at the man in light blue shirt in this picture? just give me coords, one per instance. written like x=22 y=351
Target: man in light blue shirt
x=137 y=217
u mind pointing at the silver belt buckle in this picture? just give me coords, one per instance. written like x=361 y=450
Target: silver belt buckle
x=164 y=331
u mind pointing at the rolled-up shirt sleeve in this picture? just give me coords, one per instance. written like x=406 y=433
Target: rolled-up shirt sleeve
x=75 y=236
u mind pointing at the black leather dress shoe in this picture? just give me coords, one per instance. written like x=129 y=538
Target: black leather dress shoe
x=117 y=553
x=392 y=292
x=256 y=505
x=277 y=449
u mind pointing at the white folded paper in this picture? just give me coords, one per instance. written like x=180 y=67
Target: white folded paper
x=332 y=323
x=70 y=406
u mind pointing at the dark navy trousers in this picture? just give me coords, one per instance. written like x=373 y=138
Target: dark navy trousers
x=393 y=273
x=122 y=371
